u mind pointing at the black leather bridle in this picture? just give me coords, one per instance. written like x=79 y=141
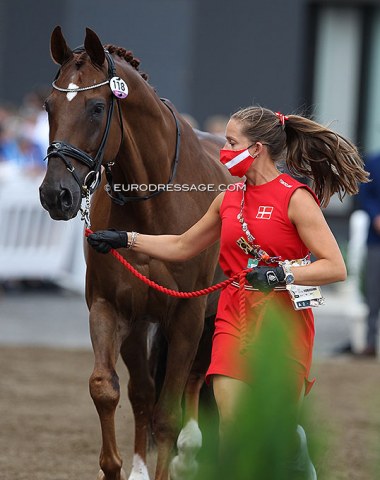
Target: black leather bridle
x=62 y=149
x=91 y=182
x=121 y=199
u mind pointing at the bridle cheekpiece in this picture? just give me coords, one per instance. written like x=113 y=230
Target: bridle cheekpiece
x=64 y=150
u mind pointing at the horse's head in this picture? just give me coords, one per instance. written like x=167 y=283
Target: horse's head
x=80 y=111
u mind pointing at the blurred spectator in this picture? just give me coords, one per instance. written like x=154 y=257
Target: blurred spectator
x=36 y=119
x=24 y=136
x=216 y=124
x=18 y=148
x=369 y=201
x=27 y=152
x=7 y=115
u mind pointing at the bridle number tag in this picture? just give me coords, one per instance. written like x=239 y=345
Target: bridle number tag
x=119 y=87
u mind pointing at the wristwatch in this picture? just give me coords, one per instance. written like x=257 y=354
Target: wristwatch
x=289 y=277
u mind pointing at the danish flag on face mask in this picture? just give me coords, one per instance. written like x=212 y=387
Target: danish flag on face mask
x=237 y=161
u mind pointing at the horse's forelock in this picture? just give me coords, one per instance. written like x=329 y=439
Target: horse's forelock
x=80 y=59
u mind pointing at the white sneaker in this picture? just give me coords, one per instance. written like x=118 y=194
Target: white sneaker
x=303 y=462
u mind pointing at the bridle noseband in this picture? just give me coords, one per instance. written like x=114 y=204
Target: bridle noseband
x=62 y=149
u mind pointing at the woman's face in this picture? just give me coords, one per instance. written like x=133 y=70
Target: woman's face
x=235 y=140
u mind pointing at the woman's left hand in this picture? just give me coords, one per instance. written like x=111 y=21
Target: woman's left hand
x=266 y=278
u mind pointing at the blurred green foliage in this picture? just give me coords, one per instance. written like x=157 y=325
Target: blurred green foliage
x=261 y=443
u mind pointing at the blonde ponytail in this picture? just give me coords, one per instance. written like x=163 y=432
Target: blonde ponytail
x=332 y=162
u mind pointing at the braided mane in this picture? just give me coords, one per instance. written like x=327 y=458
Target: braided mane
x=128 y=56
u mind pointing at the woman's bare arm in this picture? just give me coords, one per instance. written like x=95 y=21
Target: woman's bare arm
x=182 y=247
x=314 y=231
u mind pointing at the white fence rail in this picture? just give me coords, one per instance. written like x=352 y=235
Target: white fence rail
x=352 y=303
x=32 y=245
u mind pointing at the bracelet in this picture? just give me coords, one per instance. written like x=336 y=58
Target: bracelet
x=289 y=277
x=131 y=243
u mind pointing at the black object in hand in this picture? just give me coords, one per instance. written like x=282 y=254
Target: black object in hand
x=103 y=240
x=266 y=278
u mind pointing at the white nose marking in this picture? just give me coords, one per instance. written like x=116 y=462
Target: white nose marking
x=71 y=95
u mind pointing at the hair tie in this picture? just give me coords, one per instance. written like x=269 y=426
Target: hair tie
x=282 y=118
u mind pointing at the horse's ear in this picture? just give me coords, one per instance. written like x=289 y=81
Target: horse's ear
x=59 y=50
x=94 y=48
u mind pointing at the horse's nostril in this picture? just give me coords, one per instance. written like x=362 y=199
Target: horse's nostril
x=66 y=199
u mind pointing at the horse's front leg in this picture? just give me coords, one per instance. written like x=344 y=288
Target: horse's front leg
x=104 y=385
x=184 y=464
x=141 y=391
x=183 y=336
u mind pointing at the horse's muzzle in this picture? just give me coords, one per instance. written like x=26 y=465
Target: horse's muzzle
x=60 y=202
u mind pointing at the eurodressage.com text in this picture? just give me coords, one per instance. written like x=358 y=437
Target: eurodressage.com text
x=174 y=187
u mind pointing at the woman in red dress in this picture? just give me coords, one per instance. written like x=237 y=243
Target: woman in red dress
x=266 y=222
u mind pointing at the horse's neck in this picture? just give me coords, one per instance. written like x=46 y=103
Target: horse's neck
x=147 y=152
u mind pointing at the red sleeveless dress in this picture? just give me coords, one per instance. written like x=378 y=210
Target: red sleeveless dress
x=266 y=213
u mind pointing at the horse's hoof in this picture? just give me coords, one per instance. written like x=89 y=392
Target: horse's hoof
x=139 y=469
x=101 y=475
x=180 y=470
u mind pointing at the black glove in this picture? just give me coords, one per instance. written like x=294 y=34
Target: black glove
x=266 y=278
x=103 y=240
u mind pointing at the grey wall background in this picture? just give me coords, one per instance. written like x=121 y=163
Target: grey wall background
x=206 y=56
x=249 y=52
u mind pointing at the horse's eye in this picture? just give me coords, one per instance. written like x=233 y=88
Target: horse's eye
x=45 y=106
x=98 y=108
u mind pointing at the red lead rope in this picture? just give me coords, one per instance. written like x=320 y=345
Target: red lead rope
x=240 y=277
x=174 y=293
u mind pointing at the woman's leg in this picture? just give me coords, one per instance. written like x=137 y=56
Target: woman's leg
x=227 y=392
x=302 y=463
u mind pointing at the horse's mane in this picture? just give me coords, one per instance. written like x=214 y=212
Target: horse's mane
x=127 y=55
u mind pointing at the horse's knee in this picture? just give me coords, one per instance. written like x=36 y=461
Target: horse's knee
x=105 y=388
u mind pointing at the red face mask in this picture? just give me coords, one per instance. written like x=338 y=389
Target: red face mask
x=237 y=161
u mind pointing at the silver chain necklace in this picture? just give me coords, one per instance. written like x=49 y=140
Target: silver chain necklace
x=240 y=217
x=256 y=250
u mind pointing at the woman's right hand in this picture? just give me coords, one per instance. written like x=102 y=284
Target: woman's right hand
x=103 y=240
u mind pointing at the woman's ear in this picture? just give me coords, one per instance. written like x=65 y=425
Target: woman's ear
x=256 y=149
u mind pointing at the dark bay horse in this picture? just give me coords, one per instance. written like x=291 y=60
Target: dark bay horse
x=137 y=140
